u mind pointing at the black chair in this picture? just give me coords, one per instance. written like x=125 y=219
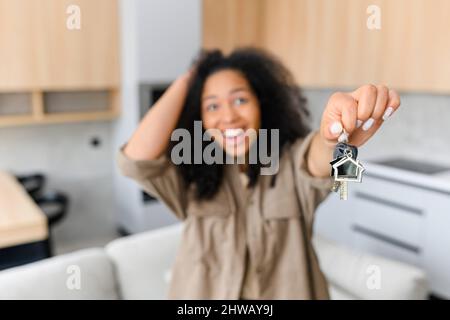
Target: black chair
x=54 y=205
x=33 y=183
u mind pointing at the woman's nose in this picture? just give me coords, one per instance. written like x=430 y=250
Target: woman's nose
x=229 y=113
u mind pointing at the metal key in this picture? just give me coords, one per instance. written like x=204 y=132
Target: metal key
x=336 y=185
x=344 y=168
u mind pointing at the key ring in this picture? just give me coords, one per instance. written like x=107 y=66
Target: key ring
x=348 y=153
x=343 y=137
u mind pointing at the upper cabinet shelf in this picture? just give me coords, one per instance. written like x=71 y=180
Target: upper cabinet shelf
x=45 y=107
x=326 y=43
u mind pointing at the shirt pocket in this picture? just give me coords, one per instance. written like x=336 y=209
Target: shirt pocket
x=220 y=206
x=280 y=204
x=281 y=216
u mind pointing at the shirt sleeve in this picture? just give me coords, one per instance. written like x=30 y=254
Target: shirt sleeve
x=158 y=178
x=311 y=190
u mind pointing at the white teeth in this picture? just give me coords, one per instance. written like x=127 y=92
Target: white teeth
x=229 y=133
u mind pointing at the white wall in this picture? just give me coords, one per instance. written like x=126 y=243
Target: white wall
x=169 y=35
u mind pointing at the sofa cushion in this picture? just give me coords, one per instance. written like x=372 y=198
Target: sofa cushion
x=84 y=274
x=143 y=262
x=353 y=272
x=337 y=293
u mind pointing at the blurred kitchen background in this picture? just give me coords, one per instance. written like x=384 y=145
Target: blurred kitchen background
x=69 y=98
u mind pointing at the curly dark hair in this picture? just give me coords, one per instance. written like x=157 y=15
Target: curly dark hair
x=281 y=102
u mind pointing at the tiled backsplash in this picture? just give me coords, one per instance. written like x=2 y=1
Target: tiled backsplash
x=60 y=149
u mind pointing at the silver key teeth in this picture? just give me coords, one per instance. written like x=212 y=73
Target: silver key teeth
x=336 y=186
x=343 y=194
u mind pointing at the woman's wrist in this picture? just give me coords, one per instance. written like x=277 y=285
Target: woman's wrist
x=185 y=77
x=319 y=156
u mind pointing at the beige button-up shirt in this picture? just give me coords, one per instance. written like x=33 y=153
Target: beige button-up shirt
x=244 y=243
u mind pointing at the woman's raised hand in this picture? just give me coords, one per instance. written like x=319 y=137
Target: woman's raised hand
x=359 y=114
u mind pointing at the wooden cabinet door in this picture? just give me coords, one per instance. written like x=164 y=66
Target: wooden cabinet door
x=326 y=43
x=38 y=51
x=231 y=23
x=78 y=58
x=18 y=40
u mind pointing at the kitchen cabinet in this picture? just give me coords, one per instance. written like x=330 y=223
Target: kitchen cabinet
x=41 y=57
x=326 y=43
x=231 y=23
x=395 y=213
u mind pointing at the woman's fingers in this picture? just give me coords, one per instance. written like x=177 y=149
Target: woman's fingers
x=360 y=113
x=349 y=116
x=381 y=103
x=392 y=104
x=340 y=114
x=367 y=98
x=375 y=103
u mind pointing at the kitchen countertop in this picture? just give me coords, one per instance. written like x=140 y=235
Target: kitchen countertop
x=21 y=220
x=439 y=181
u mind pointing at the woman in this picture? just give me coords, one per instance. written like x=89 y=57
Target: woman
x=247 y=235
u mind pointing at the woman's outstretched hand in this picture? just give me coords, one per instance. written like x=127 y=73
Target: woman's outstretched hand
x=353 y=117
x=360 y=113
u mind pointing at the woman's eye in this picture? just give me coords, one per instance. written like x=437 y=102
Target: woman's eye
x=211 y=107
x=240 y=101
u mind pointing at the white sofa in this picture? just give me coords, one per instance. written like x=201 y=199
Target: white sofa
x=138 y=267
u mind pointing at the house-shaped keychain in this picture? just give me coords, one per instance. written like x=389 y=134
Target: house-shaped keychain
x=347 y=169
x=342 y=150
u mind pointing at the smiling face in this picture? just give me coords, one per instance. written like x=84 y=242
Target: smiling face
x=229 y=105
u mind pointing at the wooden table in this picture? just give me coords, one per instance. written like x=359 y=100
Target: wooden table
x=22 y=222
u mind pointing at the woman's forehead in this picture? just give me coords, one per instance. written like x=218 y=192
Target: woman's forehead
x=225 y=82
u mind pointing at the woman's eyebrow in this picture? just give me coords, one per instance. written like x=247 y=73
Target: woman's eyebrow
x=238 y=89
x=209 y=97
x=212 y=96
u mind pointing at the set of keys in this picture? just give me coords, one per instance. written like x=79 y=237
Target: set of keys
x=345 y=168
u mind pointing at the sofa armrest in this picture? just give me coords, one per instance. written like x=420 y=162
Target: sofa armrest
x=367 y=276
x=84 y=274
x=143 y=262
